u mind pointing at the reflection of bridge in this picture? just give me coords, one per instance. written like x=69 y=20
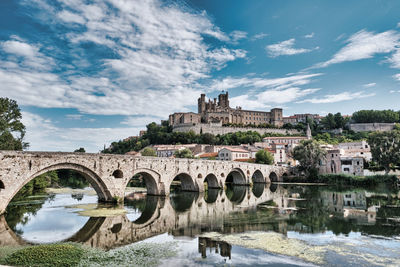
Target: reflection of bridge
x=109 y=174
x=204 y=212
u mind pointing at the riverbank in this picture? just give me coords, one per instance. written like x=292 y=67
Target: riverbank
x=346 y=180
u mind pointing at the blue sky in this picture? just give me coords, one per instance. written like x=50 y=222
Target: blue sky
x=88 y=72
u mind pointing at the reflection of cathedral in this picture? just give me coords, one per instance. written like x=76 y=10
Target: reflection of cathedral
x=221 y=112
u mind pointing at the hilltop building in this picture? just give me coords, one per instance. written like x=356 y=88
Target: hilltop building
x=219 y=111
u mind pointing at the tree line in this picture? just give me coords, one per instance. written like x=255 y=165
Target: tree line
x=163 y=134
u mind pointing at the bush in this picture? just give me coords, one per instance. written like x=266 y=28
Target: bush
x=344 y=179
x=47 y=255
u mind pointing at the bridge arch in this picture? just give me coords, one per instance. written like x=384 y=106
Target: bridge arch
x=151 y=179
x=273 y=177
x=186 y=181
x=236 y=176
x=212 y=181
x=94 y=180
x=257 y=177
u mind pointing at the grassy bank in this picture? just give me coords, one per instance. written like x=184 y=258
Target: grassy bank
x=347 y=180
x=71 y=254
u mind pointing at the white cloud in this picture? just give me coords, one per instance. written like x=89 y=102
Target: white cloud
x=43 y=135
x=395 y=58
x=285 y=48
x=259 y=36
x=141 y=121
x=159 y=56
x=311 y=35
x=337 y=98
x=397 y=77
x=238 y=35
x=67 y=16
x=367 y=85
x=363 y=45
x=265 y=92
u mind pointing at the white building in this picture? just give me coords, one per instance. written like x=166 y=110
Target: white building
x=233 y=153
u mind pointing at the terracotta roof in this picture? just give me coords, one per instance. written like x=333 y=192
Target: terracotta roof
x=209 y=155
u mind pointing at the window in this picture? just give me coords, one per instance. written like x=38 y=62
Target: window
x=346 y=169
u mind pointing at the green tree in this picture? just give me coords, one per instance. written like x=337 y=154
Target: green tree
x=370 y=116
x=183 y=153
x=81 y=150
x=264 y=157
x=149 y=152
x=309 y=154
x=385 y=148
x=328 y=122
x=339 y=120
x=12 y=130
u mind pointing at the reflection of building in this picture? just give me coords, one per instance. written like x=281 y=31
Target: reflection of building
x=213 y=111
x=352 y=205
x=220 y=247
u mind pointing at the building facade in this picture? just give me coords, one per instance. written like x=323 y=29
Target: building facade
x=219 y=111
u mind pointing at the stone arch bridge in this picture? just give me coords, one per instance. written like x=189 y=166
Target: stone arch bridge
x=109 y=174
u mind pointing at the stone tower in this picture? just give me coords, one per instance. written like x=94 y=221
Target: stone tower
x=223 y=100
x=201 y=103
x=308 y=132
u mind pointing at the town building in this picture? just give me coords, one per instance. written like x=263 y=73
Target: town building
x=233 y=154
x=219 y=111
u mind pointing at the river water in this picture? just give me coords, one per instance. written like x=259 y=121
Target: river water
x=276 y=225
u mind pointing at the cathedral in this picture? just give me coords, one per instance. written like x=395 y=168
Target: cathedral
x=213 y=111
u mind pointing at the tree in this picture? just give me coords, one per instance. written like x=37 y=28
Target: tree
x=309 y=154
x=385 y=148
x=12 y=130
x=149 y=152
x=183 y=153
x=339 y=120
x=81 y=150
x=328 y=122
x=264 y=157
x=370 y=116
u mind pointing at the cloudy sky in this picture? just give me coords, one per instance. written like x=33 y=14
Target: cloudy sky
x=88 y=72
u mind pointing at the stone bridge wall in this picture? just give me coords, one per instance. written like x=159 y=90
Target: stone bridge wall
x=109 y=174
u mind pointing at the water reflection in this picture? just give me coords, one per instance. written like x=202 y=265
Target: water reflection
x=299 y=209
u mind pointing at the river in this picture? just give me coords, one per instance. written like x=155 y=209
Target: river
x=276 y=225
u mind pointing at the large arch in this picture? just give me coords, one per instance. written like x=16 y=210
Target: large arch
x=236 y=177
x=212 y=181
x=150 y=178
x=273 y=177
x=186 y=182
x=94 y=180
x=257 y=177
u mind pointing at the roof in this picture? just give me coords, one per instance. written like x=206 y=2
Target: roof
x=236 y=149
x=285 y=137
x=209 y=155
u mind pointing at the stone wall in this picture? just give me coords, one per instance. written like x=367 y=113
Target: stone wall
x=214 y=129
x=371 y=127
